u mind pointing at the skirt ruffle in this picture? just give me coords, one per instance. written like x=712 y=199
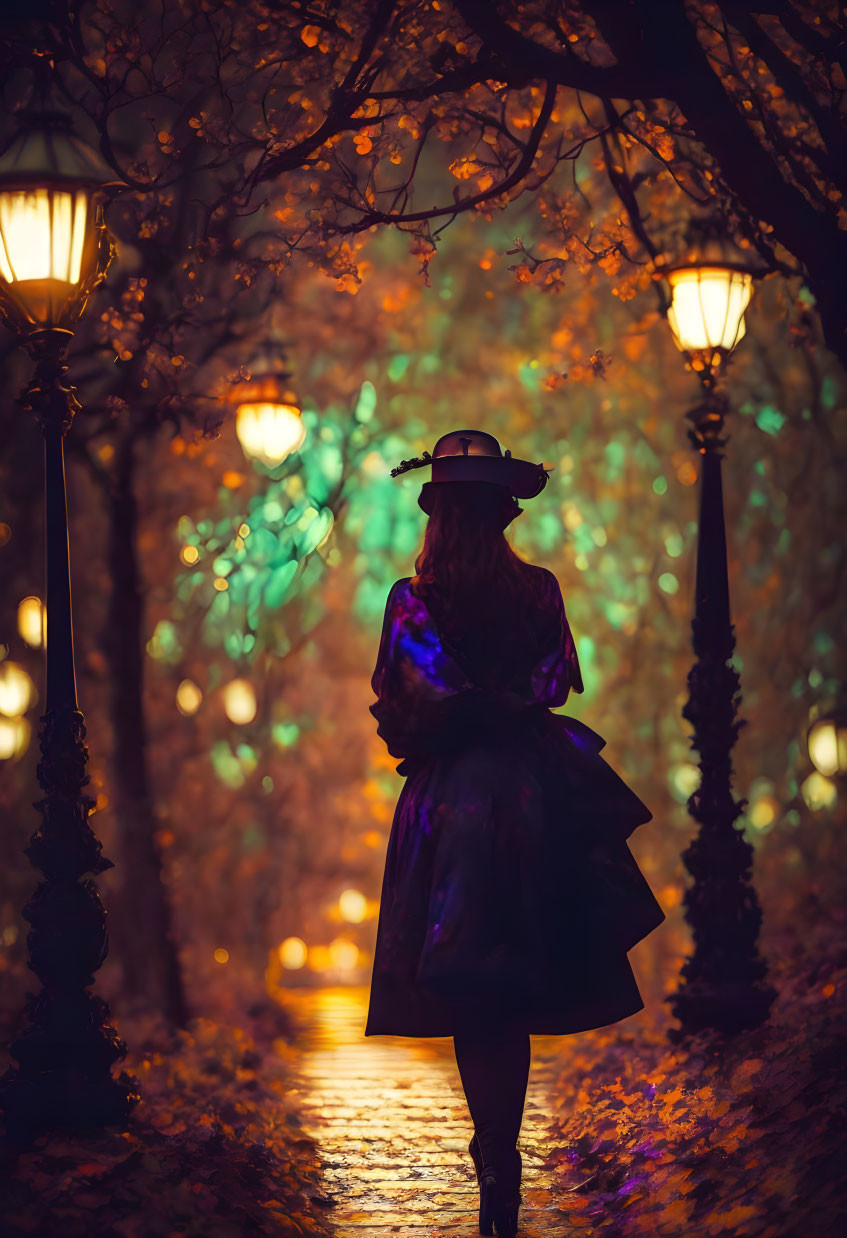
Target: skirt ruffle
x=509 y=889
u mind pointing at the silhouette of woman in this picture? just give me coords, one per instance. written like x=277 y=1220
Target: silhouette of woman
x=510 y=897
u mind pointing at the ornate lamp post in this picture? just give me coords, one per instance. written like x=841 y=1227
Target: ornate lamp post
x=723 y=982
x=54 y=250
x=268 y=419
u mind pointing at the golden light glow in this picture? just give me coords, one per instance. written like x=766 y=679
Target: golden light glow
x=14 y=738
x=17 y=691
x=188 y=697
x=221 y=955
x=42 y=233
x=763 y=813
x=189 y=555
x=343 y=954
x=240 y=701
x=819 y=792
x=828 y=746
x=293 y=953
x=269 y=432
x=32 y=621
x=319 y=958
x=353 y=906
x=707 y=309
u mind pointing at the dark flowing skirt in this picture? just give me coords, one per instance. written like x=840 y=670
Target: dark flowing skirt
x=509 y=890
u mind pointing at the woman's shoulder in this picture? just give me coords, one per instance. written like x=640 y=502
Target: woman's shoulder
x=545 y=582
x=400 y=586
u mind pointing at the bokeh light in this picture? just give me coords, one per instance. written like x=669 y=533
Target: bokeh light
x=240 y=701
x=32 y=621
x=343 y=954
x=14 y=738
x=353 y=906
x=819 y=792
x=188 y=697
x=17 y=690
x=828 y=745
x=319 y=958
x=293 y=953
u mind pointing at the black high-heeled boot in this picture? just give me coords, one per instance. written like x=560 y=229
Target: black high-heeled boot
x=499 y=1193
x=476 y=1157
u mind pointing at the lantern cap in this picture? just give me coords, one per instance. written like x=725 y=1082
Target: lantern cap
x=709 y=243
x=47 y=151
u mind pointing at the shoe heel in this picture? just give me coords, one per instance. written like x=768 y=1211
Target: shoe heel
x=494 y=1216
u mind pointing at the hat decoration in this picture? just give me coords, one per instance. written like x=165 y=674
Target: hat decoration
x=473 y=455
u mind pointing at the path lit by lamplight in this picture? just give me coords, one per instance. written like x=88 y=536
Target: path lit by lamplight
x=392 y=1126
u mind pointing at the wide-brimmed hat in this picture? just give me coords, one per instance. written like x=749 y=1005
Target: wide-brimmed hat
x=473 y=455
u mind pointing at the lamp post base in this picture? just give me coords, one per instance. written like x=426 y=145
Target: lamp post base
x=67 y=1101
x=727 y=1007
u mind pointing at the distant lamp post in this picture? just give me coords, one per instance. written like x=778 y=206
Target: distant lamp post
x=54 y=250
x=724 y=981
x=268 y=419
x=827 y=742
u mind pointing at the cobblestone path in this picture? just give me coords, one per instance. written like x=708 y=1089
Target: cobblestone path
x=392 y=1123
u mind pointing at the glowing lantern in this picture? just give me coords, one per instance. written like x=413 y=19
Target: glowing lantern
x=32 y=621
x=53 y=246
x=293 y=953
x=240 y=701
x=268 y=420
x=707 y=308
x=17 y=691
x=269 y=432
x=827 y=741
x=353 y=906
x=14 y=738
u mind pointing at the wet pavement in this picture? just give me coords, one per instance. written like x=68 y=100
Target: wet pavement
x=393 y=1127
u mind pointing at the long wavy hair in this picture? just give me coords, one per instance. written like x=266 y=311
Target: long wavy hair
x=481 y=593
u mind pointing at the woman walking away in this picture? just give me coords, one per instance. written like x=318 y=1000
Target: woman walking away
x=510 y=897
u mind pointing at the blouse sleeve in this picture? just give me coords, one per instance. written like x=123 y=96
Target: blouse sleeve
x=425 y=699
x=557 y=670
x=427 y=703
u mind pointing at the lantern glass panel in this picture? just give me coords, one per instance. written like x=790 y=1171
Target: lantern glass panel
x=43 y=232
x=270 y=432
x=707 y=311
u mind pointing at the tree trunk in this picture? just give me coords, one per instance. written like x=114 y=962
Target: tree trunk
x=145 y=937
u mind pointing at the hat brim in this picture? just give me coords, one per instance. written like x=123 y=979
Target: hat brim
x=520 y=477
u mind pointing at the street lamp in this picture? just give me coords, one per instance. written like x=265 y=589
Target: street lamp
x=723 y=982
x=54 y=250
x=268 y=418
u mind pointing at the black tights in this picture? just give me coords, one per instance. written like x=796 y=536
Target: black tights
x=494 y=1068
